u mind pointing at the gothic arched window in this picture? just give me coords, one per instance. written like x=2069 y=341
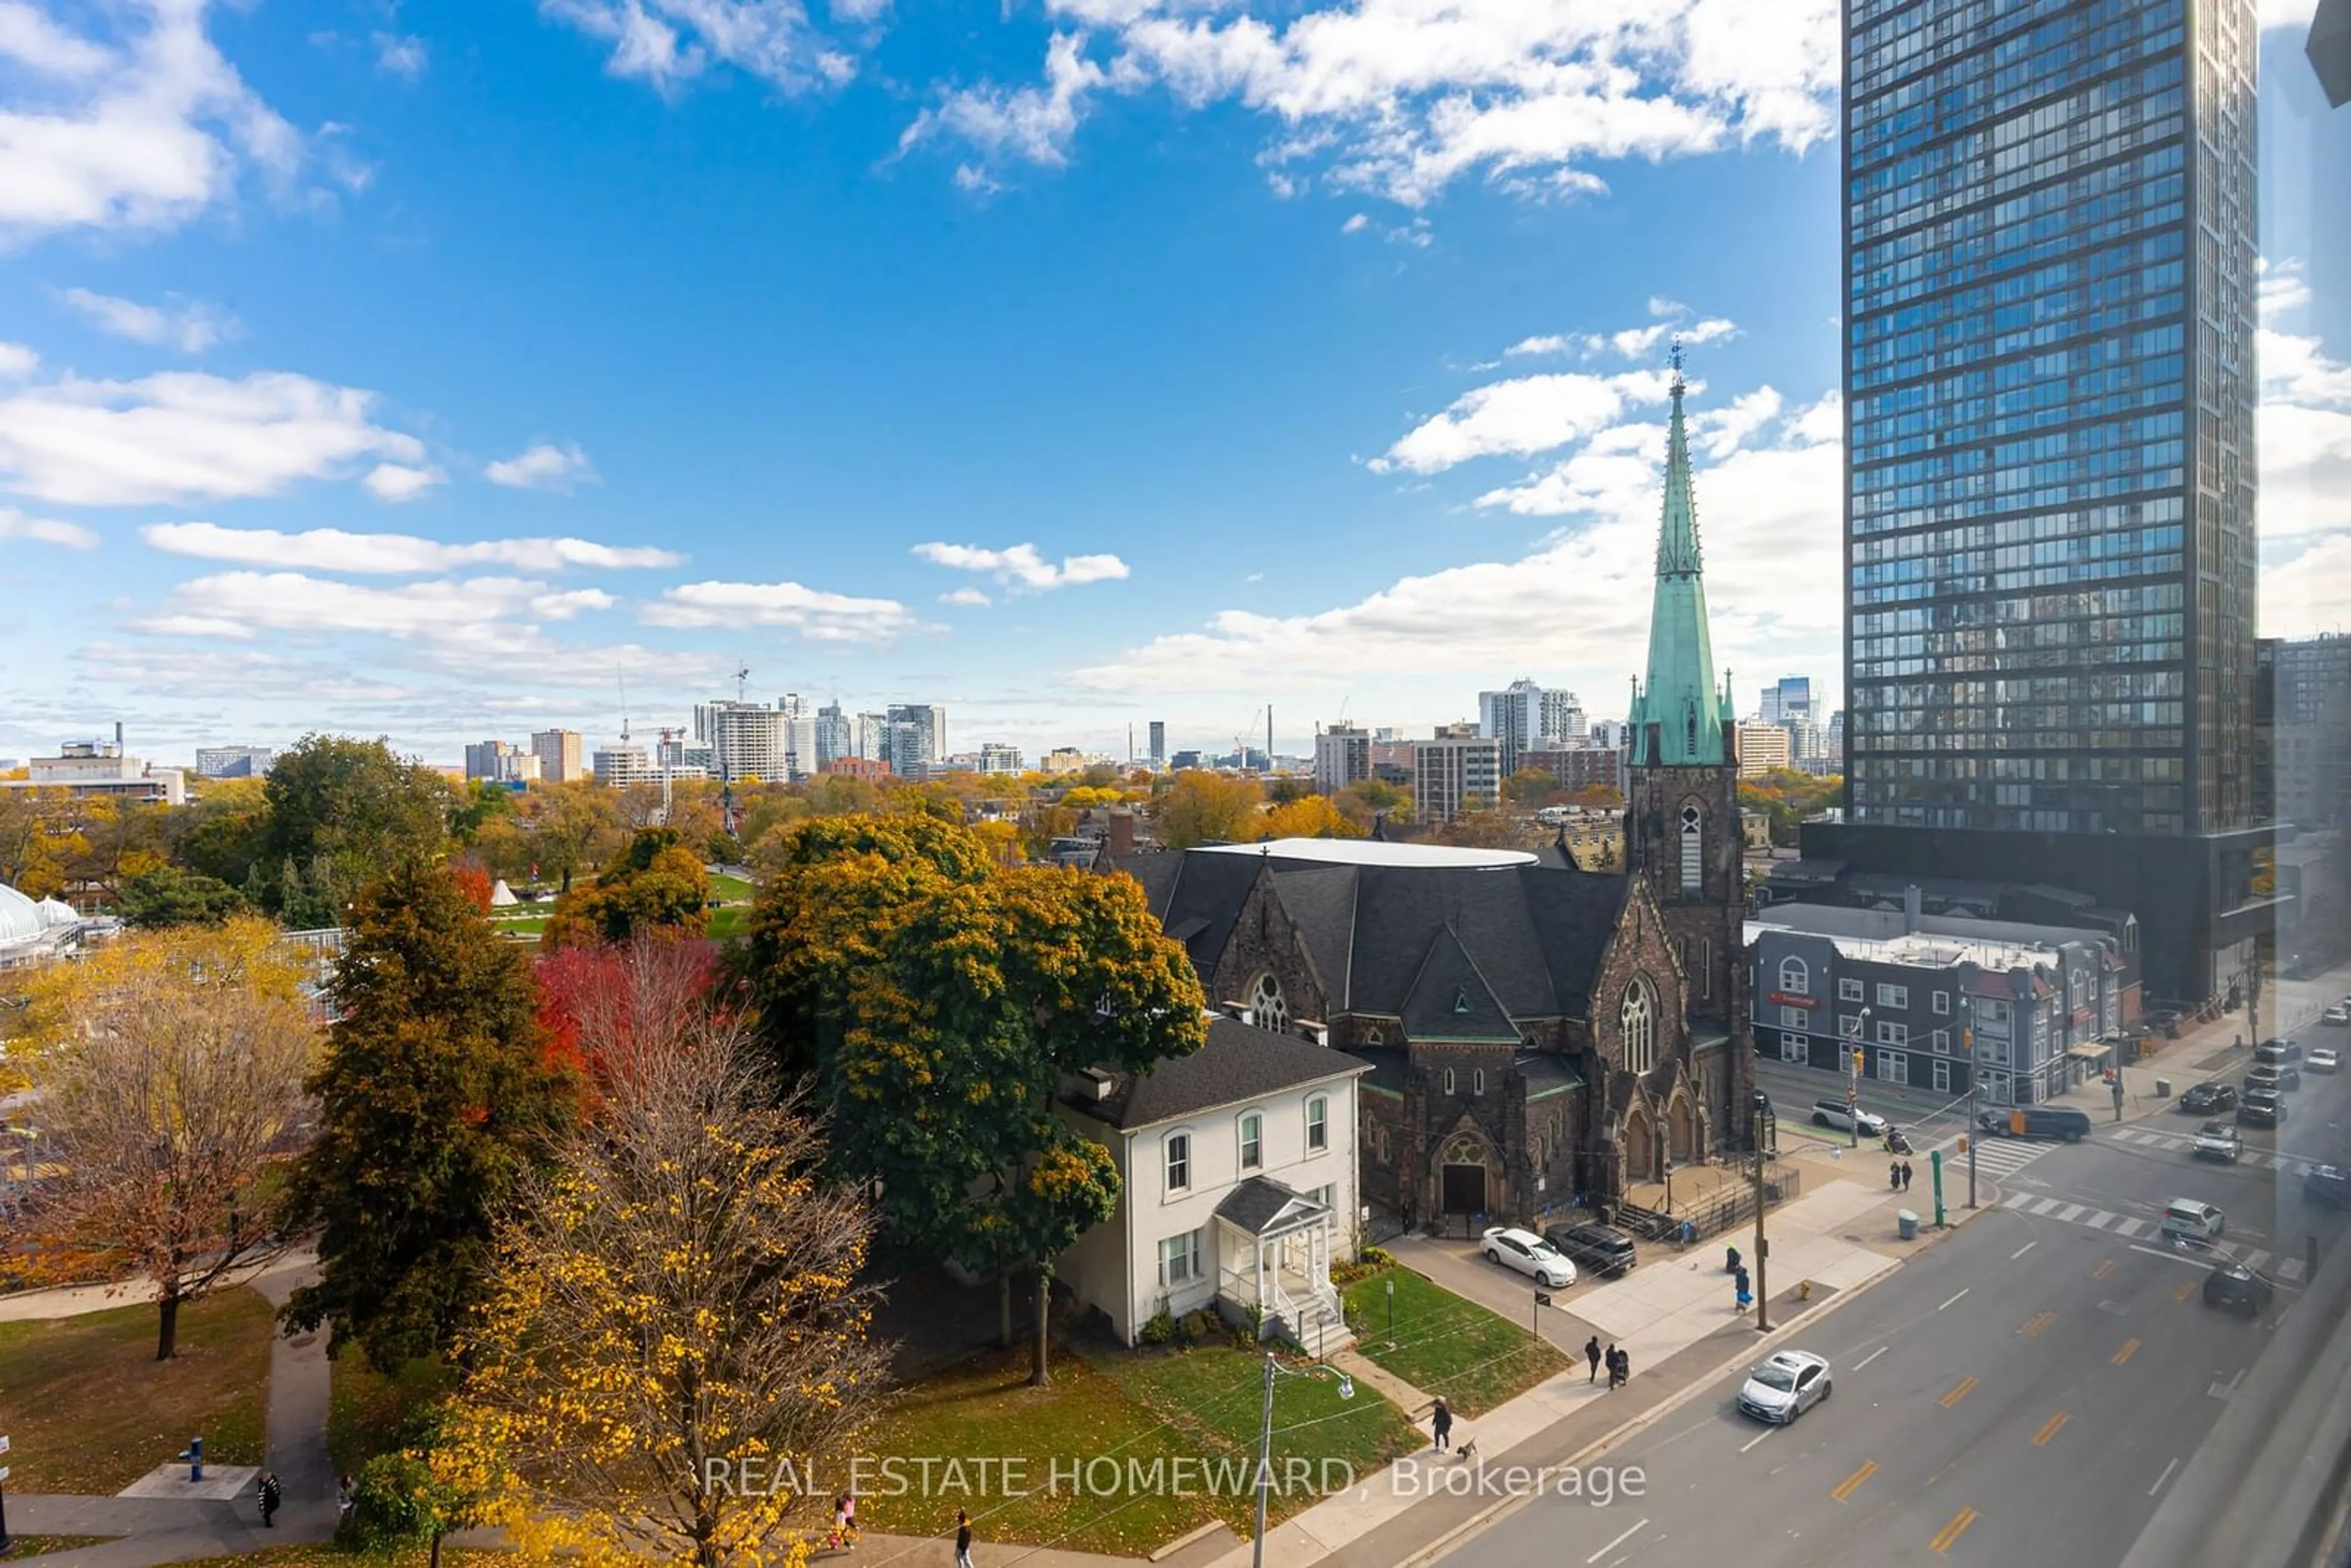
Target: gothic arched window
x=1693 y=848
x=1795 y=977
x=1637 y=1022
x=1267 y=1009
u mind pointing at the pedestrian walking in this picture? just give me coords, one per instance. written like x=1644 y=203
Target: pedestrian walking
x=963 y=1539
x=1611 y=1362
x=1894 y=1176
x=1591 y=1355
x=347 y=1492
x=272 y=1494
x=1905 y=1175
x=1440 y=1421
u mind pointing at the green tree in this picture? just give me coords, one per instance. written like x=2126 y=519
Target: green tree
x=1200 y=807
x=1530 y=787
x=941 y=1000
x=343 y=809
x=438 y=1092
x=220 y=832
x=169 y=896
x=658 y=884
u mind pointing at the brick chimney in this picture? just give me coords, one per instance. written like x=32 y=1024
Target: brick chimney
x=1120 y=840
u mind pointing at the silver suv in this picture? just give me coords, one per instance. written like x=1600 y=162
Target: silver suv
x=1833 y=1113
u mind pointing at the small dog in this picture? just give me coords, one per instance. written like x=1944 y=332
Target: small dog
x=1468 y=1450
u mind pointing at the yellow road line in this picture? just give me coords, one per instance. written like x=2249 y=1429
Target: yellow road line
x=2129 y=1349
x=2103 y=1270
x=2187 y=1289
x=2050 y=1428
x=1953 y=1531
x=1965 y=1386
x=2034 y=1329
x=1852 y=1483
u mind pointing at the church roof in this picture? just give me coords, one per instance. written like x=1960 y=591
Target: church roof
x=1680 y=714
x=1408 y=941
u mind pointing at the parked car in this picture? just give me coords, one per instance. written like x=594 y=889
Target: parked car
x=2218 y=1141
x=2208 y=1099
x=2336 y=1016
x=2236 y=1288
x=2327 y=1186
x=2272 y=1060
x=2269 y=1076
x=1836 y=1114
x=2261 y=1108
x=2323 y=1059
x=2276 y=1049
x=1603 y=1250
x=1783 y=1385
x=1531 y=1255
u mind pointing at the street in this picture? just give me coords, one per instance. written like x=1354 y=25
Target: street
x=2023 y=1392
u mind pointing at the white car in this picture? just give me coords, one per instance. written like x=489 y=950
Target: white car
x=2218 y=1141
x=1531 y=1255
x=2322 y=1059
x=1836 y=1114
x=1784 y=1386
x=2338 y=1015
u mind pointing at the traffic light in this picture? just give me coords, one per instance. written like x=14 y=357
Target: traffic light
x=1963 y=1145
x=1856 y=1058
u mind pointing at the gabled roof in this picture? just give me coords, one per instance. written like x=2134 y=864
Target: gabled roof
x=1451 y=1000
x=1239 y=1063
x=1262 y=1207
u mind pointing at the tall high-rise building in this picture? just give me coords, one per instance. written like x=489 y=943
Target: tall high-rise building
x=1525 y=716
x=916 y=735
x=559 y=755
x=872 y=737
x=1343 y=756
x=488 y=758
x=2050 y=386
x=1788 y=698
x=747 y=740
x=835 y=738
x=1158 y=743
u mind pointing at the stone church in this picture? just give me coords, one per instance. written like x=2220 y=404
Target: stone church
x=1537 y=1032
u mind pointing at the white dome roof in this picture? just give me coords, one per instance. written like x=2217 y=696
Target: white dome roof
x=56 y=912
x=20 y=917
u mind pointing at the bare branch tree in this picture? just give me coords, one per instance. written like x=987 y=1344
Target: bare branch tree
x=163 y=1110
x=679 y=1297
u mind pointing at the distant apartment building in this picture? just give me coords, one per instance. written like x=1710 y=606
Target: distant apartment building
x=747 y=740
x=873 y=769
x=1580 y=767
x=1065 y=759
x=997 y=757
x=1181 y=760
x=836 y=735
x=914 y=735
x=1788 y=698
x=1158 y=742
x=1524 y=716
x=94 y=768
x=619 y=767
x=872 y=735
x=234 y=761
x=563 y=755
x=2302 y=729
x=1342 y=756
x=488 y=759
x=1611 y=734
x=685 y=759
x=1456 y=770
x=1762 y=748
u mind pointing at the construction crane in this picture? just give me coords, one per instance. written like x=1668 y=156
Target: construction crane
x=624 y=705
x=742 y=683
x=1241 y=741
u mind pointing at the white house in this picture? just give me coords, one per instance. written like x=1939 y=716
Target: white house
x=1237 y=1172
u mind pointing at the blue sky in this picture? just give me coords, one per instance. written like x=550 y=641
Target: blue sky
x=421 y=369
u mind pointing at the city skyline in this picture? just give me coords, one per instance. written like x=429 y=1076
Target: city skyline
x=324 y=441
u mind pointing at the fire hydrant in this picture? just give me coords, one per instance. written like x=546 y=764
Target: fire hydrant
x=1805 y=1291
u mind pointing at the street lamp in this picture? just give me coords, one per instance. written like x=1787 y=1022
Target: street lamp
x=1274 y=1369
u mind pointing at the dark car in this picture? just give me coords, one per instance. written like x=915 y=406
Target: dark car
x=2238 y=1289
x=2273 y=1058
x=2276 y=1049
x=1603 y=1250
x=2208 y=1099
x=2276 y=1079
x=2327 y=1186
x=2037 y=1121
x=2261 y=1108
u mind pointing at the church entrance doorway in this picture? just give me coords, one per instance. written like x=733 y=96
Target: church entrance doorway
x=1465 y=1190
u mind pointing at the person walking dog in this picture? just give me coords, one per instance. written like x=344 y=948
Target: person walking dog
x=1440 y=1421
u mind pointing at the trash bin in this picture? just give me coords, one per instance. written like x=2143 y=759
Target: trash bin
x=1909 y=1220
x=2163 y=1088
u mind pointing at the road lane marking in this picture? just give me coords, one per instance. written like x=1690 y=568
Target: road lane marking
x=1752 y=1441
x=2035 y=1329
x=2187 y=1289
x=2255 y=1261
x=1852 y=1483
x=2130 y=1227
x=1953 y=1301
x=1951 y=1532
x=1965 y=1386
x=2164 y=1477
x=2045 y=1206
x=2105 y=1268
x=2023 y=1250
x=1617 y=1543
x=2050 y=1428
x=2072 y=1212
x=1873 y=1355
x=2099 y=1219
x=2129 y=1349
x=2016 y=1200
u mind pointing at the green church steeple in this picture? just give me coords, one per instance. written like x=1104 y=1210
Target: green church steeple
x=1680 y=716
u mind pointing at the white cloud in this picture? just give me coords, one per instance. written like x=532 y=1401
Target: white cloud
x=1022 y=566
x=815 y=614
x=1355 y=224
x=140 y=130
x=188 y=326
x=2301 y=592
x=17 y=362
x=2305 y=445
x=397 y=482
x=15 y=525
x=400 y=54
x=668 y=43
x=544 y=466
x=1631 y=343
x=393 y=555
x=2287 y=14
x=1402 y=97
x=1519 y=418
x=477 y=614
x=2294 y=369
x=2283 y=288
x=183 y=436
x=966 y=596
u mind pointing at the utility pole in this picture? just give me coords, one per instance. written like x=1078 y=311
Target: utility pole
x=1264 y=1463
x=1762 y=1247
x=1853 y=1076
x=1975 y=1128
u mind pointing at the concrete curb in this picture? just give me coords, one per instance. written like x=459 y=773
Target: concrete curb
x=1487 y=1517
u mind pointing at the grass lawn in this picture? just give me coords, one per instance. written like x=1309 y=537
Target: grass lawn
x=730 y=889
x=1446 y=1345
x=728 y=922
x=91 y=1410
x=369 y=1411
x=35 y=1545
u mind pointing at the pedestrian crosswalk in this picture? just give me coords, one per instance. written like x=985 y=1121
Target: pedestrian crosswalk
x=2133 y=1228
x=2249 y=1156
x=1995 y=1157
